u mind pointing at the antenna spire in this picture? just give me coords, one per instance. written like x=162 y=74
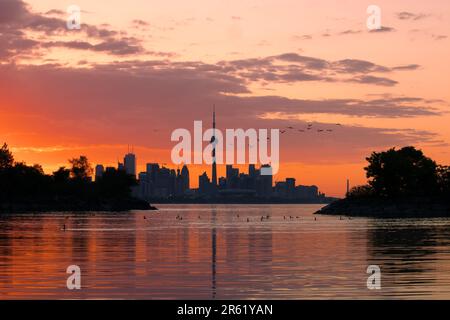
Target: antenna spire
x=214 y=116
x=214 y=142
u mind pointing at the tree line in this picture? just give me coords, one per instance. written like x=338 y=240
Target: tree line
x=20 y=182
x=405 y=172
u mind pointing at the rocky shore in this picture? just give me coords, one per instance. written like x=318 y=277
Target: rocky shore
x=376 y=207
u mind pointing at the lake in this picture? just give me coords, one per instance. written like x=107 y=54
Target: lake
x=222 y=252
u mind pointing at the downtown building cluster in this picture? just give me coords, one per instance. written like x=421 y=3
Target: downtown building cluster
x=160 y=183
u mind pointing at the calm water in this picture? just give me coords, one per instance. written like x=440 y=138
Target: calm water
x=213 y=252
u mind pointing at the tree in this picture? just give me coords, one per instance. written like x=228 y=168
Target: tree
x=6 y=157
x=25 y=182
x=444 y=180
x=364 y=191
x=81 y=168
x=115 y=184
x=404 y=172
x=62 y=175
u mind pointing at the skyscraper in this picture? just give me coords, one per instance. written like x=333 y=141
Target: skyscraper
x=204 y=184
x=252 y=170
x=214 y=142
x=129 y=163
x=185 y=176
x=265 y=183
x=99 y=169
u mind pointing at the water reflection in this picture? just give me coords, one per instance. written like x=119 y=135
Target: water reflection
x=213 y=251
x=219 y=252
x=412 y=254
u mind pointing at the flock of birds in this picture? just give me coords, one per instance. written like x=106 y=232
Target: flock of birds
x=309 y=127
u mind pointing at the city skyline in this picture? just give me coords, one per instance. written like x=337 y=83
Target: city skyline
x=161 y=182
x=135 y=74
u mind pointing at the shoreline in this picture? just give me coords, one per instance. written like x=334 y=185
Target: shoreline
x=238 y=201
x=75 y=206
x=389 y=208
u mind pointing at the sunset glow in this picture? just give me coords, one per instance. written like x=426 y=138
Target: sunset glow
x=132 y=74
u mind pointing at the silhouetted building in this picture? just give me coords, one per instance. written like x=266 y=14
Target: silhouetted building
x=290 y=188
x=280 y=189
x=204 y=184
x=264 y=183
x=252 y=172
x=232 y=176
x=130 y=164
x=307 y=192
x=99 y=169
x=161 y=182
x=222 y=183
x=152 y=170
x=185 y=176
x=144 y=186
x=182 y=181
x=110 y=169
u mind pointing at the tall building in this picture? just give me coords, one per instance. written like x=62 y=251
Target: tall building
x=99 y=169
x=252 y=170
x=290 y=187
x=264 y=185
x=185 y=176
x=214 y=142
x=204 y=184
x=152 y=171
x=232 y=175
x=129 y=163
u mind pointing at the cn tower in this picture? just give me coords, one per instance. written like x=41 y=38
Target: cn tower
x=214 y=142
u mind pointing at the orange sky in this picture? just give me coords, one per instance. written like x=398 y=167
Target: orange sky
x=136 y=72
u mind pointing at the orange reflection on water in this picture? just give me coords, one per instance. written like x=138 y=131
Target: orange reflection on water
x=213 y=252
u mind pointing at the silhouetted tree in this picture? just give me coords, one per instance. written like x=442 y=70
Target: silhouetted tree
x=6 y=157
x=444 y=180
x=62 y=175
x=404 y=172
x=22 y=185
x=115 y=184
x=25 y=182
x=61 y=181
x=364 y=191
x=81 y=168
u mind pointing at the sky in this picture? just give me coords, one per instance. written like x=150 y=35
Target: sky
x=135 y=72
